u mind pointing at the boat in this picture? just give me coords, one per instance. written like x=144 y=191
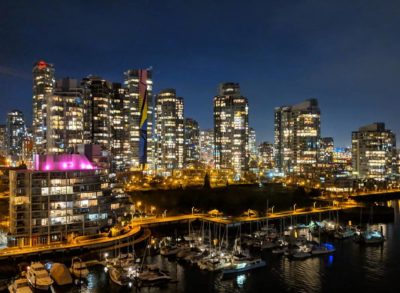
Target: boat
x=169 y=250
x=152 y=276
x=323 y=249
x=20 y=285
x=38 y=277
x=79 y=268
x=348 y=232
x=60 y=274
x=371 y=237
x=299 y=252
x=244 y=266
x=119 y=276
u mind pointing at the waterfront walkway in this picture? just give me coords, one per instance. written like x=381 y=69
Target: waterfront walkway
x=234 y=221
x=98 y=242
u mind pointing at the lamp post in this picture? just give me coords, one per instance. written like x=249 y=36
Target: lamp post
x=294 y=208
x=192 y=211
x=272 y=209
x=314 y=204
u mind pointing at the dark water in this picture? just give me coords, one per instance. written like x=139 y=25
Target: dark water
x=352 y=268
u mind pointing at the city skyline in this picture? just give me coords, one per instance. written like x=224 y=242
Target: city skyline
x=295 y=52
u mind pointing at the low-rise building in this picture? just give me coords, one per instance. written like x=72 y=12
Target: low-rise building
x=64 y=196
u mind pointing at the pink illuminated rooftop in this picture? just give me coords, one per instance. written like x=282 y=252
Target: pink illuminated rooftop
x=62 y=162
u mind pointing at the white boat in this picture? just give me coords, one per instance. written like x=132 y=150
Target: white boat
x=344 y=233
x=244 y=266
x=372 y=237
x=119 y=276
x=79 y=268
x=38 y=277
x=20 y=285
x=152 y=276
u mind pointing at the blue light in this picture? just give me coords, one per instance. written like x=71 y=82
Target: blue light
x=330 y=260
x=329 y=246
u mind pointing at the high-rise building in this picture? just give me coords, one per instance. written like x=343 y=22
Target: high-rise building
x=65 y=110
x=191 y=140
x=64 y=196
x=43 y=87
x=266 y=156
x=169 y=131
x=326 y=150
x=297 y=138
x=206 y=142
x=253 y=151
x=97 y=104
x=139 y=111
x=231 y=129
x=119 y=140
x=373 y=152
x=3 y=146
x=15 y=134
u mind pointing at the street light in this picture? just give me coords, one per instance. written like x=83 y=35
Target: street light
x=272 y=209
x=152 y=209
x=314 y=204
x=192 y=210
x=294 y=208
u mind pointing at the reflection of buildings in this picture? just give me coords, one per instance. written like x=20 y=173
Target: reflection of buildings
x=206 y=142
x=169 y=131
x=191 y=148
x=64 y=196
x=373 y=152
x=16 y=132
x=231 y=129
x=297 y=137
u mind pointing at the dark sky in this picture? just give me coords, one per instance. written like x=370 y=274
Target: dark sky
x=345 y=53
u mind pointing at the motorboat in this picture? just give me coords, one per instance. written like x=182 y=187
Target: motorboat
x=243 y=266
x=20 y=285
x=60 y=274
x=152 y=276
x=120 y=277
x=38 y=277
x=79 y=268
x=371 y=237
x=348 y=232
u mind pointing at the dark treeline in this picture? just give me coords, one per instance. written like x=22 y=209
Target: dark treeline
x=231 y=200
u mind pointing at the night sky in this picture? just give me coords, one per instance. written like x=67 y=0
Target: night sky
x=344 y=53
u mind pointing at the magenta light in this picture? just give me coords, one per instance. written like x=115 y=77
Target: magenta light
x=63 y=162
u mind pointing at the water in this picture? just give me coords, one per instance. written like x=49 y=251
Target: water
x=352 y=268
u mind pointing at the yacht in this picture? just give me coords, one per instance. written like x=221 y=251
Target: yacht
x=38 y=277
x=20 y=285
x=79 y=268
x=244 y=266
